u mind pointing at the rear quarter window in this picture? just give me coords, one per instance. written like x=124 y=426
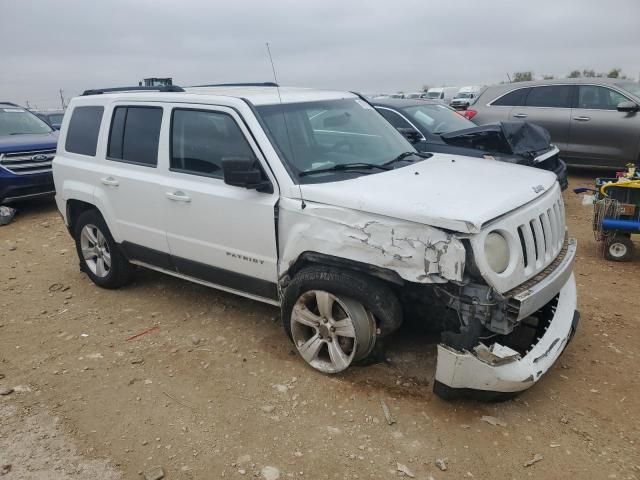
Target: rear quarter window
x=83 y=130
x=514 y=98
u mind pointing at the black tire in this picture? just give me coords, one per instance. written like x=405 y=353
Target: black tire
x=617 y=244
x=120 y=270
x=372 y=293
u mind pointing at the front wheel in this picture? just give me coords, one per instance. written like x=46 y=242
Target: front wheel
x=334 y=316
x=99 y=254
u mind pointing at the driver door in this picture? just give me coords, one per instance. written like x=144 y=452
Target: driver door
x=218 y=233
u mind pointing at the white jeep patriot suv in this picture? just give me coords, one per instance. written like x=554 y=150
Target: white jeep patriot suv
x=310 y=200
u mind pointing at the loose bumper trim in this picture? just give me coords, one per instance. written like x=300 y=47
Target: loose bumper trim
x=462 y=370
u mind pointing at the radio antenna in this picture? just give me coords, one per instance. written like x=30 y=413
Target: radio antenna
x=284 y=119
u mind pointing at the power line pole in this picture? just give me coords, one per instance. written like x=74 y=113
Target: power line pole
x=28 y=106
x=62 y=99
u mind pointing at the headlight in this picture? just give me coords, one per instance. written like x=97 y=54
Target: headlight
x=496 y=251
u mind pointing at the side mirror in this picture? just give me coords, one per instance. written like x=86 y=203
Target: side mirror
x=628 y=106
x=410 y=134
x=245 y=173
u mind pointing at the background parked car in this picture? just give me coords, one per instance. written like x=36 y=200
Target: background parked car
x=594 y=121
x=445 y=94
x=52 y=117
x=27 y=147
x=433 y=127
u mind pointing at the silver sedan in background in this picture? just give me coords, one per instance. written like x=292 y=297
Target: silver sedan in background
x=594 y=121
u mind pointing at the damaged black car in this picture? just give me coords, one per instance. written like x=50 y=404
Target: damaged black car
x=434 y=127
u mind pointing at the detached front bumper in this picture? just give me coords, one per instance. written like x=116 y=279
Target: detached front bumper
x=463 y=373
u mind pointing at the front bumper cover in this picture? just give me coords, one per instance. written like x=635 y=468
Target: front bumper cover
x=463 y=372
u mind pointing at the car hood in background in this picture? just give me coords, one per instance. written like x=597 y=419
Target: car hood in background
x=446 y=191
x=511 y=138
x=25 y=143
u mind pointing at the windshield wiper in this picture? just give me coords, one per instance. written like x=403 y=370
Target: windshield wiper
x=405 y=155
x=345 y=166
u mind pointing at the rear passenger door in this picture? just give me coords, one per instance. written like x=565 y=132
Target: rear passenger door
x=218 y=233
x=550 y=107
x=128 y=187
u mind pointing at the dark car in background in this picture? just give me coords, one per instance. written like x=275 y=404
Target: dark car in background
x=27 y=147
x=594 y=121
x=52 y=117
x=433 y=127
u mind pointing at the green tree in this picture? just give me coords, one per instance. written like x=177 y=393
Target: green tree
x=614 y=73
x=522 y=76
x=589 y=73
x=575 y=74
x=425 y=88
x=548 y=77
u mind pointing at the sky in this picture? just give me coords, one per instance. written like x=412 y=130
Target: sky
x=368 y=46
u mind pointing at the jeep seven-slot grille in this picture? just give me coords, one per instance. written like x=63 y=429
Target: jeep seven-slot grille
x=542 y=237
x=25 y=163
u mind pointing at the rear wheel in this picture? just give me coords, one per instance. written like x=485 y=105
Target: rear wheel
x=619 y=248
x=99 y=254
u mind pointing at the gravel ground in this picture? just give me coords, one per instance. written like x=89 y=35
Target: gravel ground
x=214 y=389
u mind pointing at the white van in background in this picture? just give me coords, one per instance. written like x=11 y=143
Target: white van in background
x=445 y=94
x=465 y=97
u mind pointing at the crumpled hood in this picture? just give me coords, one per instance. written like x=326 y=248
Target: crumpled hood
x=519 y=138
x=24 y=143
x=446 y=191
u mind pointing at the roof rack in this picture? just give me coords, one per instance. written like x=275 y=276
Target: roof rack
x=250 y=84
x=100 y=91
x=9 y=103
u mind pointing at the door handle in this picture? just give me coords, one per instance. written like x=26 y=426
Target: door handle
x=112 y=182
x=582 y=119
x=178 y=196
x=520 y=115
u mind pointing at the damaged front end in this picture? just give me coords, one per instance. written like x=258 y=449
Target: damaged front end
x=504 y=343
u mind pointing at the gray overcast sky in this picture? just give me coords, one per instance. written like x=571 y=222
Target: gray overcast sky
x=363 y=45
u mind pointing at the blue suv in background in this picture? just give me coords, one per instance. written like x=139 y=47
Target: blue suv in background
x=27 y=147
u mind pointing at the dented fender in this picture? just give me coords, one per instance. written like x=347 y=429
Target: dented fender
x=417 y=253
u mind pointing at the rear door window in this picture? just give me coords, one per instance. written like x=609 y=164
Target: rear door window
x=394 y=119
x=201 y=140
x=134 y=136
x=599 y=98
x=512 y=99
x=555 y=96
x=83 y=130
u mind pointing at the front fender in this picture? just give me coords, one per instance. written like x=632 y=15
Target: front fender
x=417 y=253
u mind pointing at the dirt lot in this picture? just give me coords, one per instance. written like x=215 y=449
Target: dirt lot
x=215 y=389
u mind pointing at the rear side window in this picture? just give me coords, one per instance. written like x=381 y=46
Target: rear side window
x=202 y=140
x=394 y=119
x=558 y=96
x=512 y=99
x=84 y=127
x=134 y=136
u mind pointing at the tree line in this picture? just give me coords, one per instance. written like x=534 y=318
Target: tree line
x=527 y=76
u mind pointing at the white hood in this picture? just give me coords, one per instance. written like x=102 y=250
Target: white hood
x=446 y=191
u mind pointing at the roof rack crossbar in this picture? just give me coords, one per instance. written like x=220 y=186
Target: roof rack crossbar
x=250 y=84
x=9 y=103
x=100 y=91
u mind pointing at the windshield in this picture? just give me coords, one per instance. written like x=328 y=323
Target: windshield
x=17 y=121
x=631 y=87
x=463 y=95
x=438 y=119
x=321 y=135
x=433 y=94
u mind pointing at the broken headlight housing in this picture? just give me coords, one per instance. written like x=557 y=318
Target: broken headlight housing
x=496 y=251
